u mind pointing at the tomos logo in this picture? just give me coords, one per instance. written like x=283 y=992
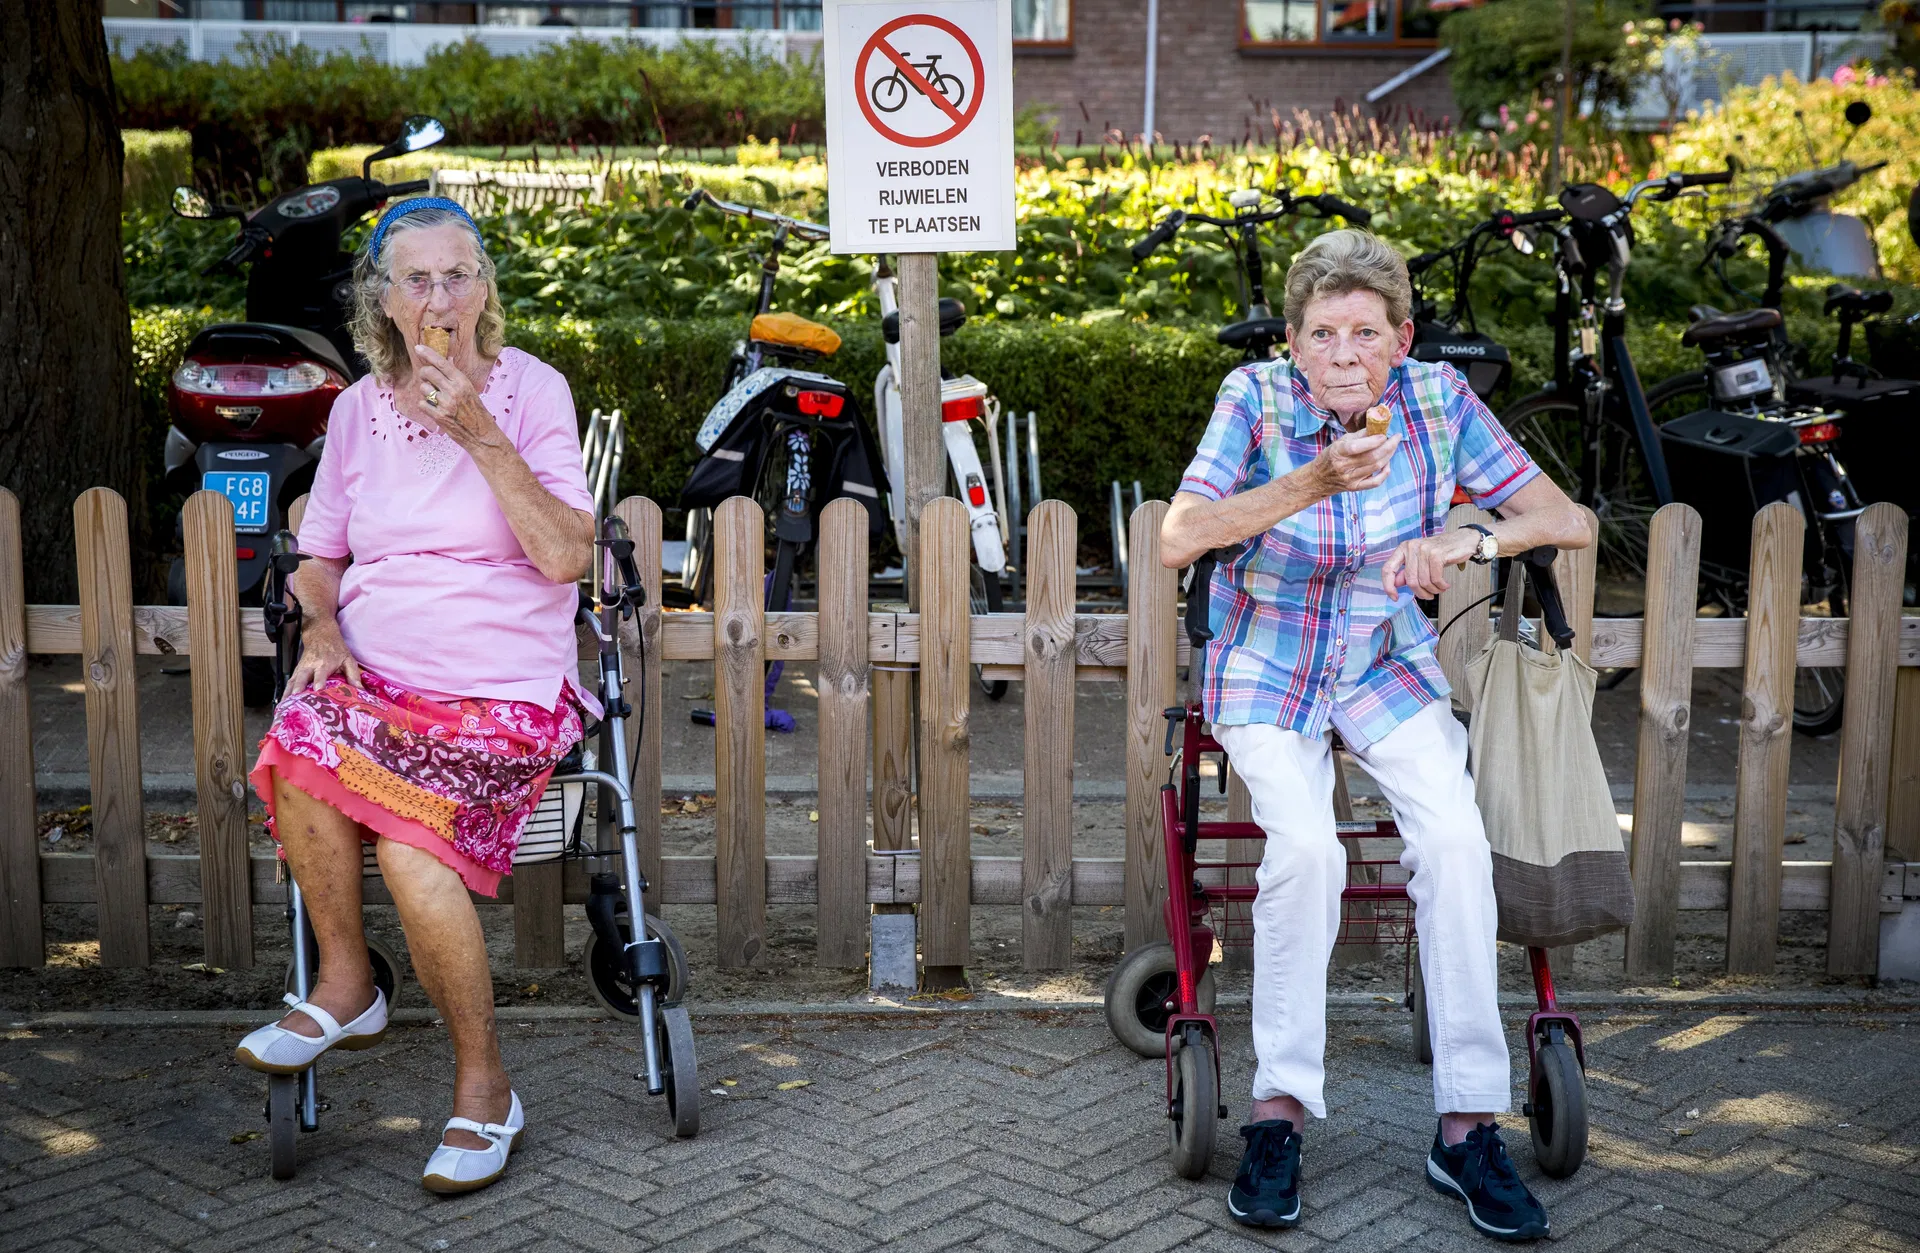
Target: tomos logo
x=1462 y=350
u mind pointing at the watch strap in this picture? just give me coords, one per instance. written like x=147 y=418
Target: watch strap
x=1476 y=558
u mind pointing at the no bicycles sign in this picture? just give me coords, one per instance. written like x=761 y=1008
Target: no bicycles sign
x=919 y=125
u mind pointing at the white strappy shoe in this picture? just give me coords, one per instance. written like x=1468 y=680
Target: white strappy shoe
x=278 y=1051
x=453 y=1169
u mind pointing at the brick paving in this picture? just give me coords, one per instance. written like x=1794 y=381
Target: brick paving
x=1712 y=1130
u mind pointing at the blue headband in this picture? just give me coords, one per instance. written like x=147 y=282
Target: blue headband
x=414 y=205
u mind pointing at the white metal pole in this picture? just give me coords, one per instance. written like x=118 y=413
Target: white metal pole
x=1153 y=63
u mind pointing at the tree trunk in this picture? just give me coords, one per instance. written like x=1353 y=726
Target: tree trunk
x=69 y=414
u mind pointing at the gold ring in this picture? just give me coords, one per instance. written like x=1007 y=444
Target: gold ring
x=433 y=397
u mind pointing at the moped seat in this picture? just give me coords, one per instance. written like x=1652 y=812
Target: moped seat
x=1241 y=334
x=1747 y=324
x=953 y=316
x=270 y=338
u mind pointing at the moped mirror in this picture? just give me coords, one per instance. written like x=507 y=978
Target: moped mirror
x=1522 y=240
x=1859 y=113
x=421 y=131
x=417 y=132
x=188 y=203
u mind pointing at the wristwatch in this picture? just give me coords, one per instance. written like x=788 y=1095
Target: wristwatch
x=1489 y=547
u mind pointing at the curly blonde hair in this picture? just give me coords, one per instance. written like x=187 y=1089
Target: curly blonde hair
x=1344 y=261
x=374 y=333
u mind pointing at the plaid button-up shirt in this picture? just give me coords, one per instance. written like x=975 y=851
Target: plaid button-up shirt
x=1304 y=634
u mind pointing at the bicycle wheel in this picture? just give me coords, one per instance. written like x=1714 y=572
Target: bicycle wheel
x=1554 y=431
x=889 y=94
x=984 y=595
x=950 y=86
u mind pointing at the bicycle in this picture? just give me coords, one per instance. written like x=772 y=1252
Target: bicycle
x=1437 y=336
x=791 y=438
x=1584 y=426
x=1258 y=333
x=964 y=401
x=896 y=87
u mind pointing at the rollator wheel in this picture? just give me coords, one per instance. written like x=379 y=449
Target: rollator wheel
x=1140 y=997
x=673 y=1030
x=1422 y=1029
x=283 y=1124
x=1196 y=1103
x=607 y=970
x=1558 y=1111
x=386 y=970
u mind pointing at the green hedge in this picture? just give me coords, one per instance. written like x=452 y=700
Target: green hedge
x=1116 y=399
x=260 y=117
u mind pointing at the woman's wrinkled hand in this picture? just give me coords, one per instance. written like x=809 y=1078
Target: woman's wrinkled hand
x=1421 y=564
x=448 y=395
x=1354 y=463
x=323 y=654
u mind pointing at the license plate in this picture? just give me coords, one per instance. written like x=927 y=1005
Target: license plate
x=247 y=489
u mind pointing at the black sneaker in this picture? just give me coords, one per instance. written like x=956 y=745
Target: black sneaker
x=1480 y=1173
x=1266 y=1192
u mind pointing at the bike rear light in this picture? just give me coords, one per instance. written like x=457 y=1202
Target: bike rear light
x=821 y=404
x=976 y=491
x=1819 y=433
x=232 y=379
x=964 y=409
x=243 y=554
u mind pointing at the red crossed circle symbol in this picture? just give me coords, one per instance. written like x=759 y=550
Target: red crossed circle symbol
x=878 y=43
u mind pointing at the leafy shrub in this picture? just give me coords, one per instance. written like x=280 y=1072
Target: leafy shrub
x=259 y=118
x=157 y=162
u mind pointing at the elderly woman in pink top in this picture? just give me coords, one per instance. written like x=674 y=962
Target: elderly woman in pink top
x=448 y=524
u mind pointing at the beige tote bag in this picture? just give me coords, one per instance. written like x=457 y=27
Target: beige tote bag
x=1559 y=865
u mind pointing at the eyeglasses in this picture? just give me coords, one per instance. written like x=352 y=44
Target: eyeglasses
x=458 y=284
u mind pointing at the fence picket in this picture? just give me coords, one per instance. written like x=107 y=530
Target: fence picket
x=1053 y=538
x=740 y=763
x=1461 y=641
x=113 y=724
x=1866 y=741
x=642 y=670
x=841 y=931
x=1766 y=734
x=219 y=734
x=1660 y=771
x=1903 y=791
x=946 y=685
x=1151 y=622
x=21 y=940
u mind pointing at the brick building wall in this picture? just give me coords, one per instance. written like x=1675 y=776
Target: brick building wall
x=1207 y=84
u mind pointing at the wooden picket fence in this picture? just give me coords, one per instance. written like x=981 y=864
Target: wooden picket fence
x=865 y=659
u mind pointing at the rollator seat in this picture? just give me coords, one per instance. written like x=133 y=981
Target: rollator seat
x=1747 y=324
x=794 y=331
x=552 y=828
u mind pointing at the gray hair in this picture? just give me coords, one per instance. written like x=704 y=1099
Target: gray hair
x=375 y=335
x=1344 y=261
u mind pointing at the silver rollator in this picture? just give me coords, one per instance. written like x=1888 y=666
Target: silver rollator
x=639 y=979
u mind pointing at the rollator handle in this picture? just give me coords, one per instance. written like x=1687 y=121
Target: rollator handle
x=1175 y=715
x=618 y=544
x=1539 y=568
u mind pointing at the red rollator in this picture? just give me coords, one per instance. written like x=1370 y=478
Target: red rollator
x=1160 y=999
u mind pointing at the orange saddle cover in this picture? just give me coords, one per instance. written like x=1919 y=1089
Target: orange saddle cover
x=795 y=331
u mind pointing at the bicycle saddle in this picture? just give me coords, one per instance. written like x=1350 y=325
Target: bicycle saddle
x=953 y=316
x=1851 y=302
x=795 y=332
x=1250 y=332
x=1748 y=323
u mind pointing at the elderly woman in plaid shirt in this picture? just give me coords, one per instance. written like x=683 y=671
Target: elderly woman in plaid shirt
x=1329 y=535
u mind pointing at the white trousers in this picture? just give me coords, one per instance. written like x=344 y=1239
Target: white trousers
x=1421 y=767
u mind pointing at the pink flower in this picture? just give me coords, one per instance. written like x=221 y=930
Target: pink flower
x=1844 y=76
x=300 y=731
x=1533 y=116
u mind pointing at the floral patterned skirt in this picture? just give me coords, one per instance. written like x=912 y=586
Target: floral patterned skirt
x=458 y=779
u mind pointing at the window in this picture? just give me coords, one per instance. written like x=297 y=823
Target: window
x=1042 y=21
x=1344 y=23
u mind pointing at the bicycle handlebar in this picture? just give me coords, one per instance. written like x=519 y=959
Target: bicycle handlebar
x=1329 y=206
x=799 y=226
x=1169 y=226
x=1333 y=206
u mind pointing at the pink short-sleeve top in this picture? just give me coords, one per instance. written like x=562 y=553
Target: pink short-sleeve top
x=440 y=597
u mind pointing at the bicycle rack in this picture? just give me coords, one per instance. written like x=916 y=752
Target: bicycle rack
x=1019 y=500
x=1118 y=517
x=602 y=451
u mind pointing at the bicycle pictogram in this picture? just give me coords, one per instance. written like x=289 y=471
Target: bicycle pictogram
x=891 y=93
